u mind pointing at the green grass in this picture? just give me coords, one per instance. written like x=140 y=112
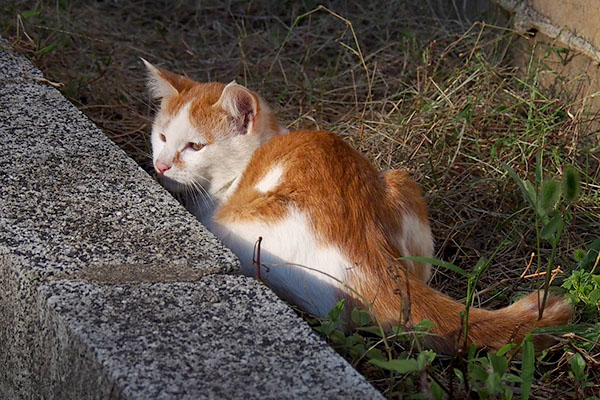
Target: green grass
x=411 y=86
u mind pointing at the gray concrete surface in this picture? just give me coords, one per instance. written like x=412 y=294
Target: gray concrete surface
x=110 y=289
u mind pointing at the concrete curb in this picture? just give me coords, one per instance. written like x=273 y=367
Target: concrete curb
x=110 y=289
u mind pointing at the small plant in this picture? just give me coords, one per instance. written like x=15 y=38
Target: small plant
x=551 y=214
x=581 y=374
x=353 y=346
x=385 y=358
x=379 y=354
x=583 y=285
x=490 y=376
x=41 y=46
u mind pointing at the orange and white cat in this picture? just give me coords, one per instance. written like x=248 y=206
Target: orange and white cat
x=332 y=227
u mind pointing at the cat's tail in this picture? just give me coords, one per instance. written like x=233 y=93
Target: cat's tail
x=486 y=328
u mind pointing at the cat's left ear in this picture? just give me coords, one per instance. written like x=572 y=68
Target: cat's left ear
x=242 y=104
x=163 y=83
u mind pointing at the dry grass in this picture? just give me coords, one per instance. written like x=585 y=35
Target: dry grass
x=408 y=85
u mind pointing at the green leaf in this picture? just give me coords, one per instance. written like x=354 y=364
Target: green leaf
x=370 y=329
x=480 y=267
x=356 y=339
x=375 y=354
x=592 y=254
x=551 y=227
x=578 y=366
x=439 y=263
x=436 y=390
x=526 y=192
x=531 y=192
x=527 y=367
x=505 y=349
x=595 y=296
x=512 y=378
x=400 y=366
x=472 y=351
x=499 y=363
x=356 y=351
x=360 y=317
x=571 y=183
x=549 y=195
x=330 y=324
x=579 y=329
x=335 y=312
x=47 y=49
x=337 y=337
x=425 y=326
x=281 y=95
x=30 y=14
x=478 y=373
x=425 y=357
x=492 y=383
x=579 y=255
x=407 y=33
x=465 y=113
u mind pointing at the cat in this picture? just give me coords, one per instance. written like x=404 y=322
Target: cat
x=323 y=222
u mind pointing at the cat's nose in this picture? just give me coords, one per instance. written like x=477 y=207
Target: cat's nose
x=161 y=167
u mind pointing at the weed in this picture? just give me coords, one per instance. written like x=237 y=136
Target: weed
x=583 y=285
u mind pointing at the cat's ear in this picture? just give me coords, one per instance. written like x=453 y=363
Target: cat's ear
x=163 y=84
x=242 y=104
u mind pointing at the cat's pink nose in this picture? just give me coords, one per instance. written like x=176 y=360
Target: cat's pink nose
x=161 y=167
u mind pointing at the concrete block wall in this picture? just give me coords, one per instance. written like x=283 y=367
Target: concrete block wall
x=570 y=24
x=110 y=289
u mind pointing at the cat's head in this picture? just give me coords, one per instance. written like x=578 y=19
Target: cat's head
x=205 y=133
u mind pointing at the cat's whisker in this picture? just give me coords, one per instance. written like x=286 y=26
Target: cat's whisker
x=145 y=154
x=200 y=192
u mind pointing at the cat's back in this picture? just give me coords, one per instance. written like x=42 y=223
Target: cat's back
x=313 y=158
x=316 y=178
x=306 y=169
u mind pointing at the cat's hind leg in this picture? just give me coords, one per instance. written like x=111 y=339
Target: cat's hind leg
x=413 y=237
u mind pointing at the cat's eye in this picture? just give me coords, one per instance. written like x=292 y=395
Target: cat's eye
x=195 y=146
x=162 y=137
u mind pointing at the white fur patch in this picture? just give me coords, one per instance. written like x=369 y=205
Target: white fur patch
x=271 y=180
x=180 y=129
x=416 y=241
x=299 y=267
x=177 y=133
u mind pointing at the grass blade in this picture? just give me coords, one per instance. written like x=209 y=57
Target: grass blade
x=527 y=367
x=528 y=196
x=436 y=262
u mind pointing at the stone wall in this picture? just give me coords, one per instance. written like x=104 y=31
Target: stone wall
x=565 y=37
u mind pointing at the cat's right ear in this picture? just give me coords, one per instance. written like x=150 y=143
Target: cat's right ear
x=242 y=104
x=164 y=84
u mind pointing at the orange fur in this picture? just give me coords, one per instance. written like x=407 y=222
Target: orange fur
x=201 y=97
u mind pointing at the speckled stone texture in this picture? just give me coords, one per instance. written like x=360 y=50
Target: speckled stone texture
x=110 y=289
